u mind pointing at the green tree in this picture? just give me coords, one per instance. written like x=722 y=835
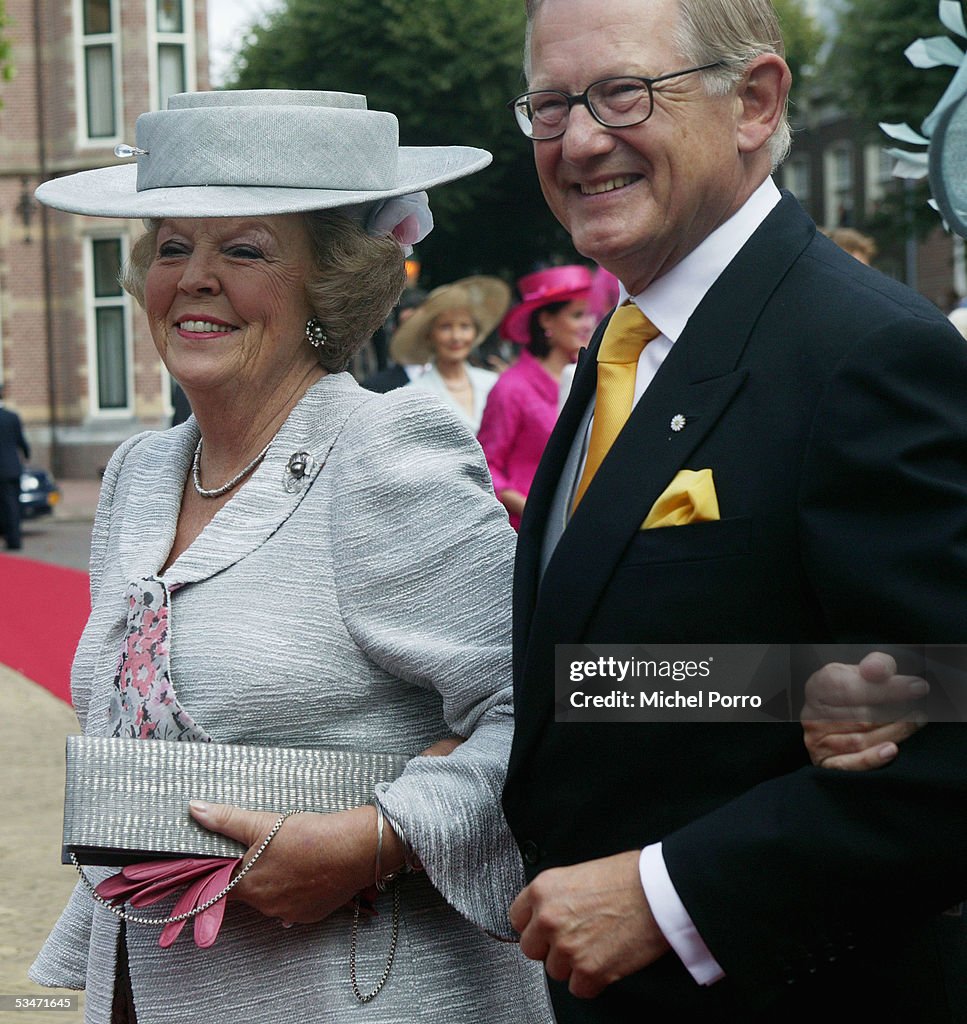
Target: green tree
x=803 y=38
x=866 y=70
x=6 y=49
x=868 y=75
x=447 y=69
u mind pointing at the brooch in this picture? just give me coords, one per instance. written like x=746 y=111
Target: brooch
x=678 y=423
x=297 y=470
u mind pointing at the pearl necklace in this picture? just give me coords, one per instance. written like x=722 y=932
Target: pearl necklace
x=217 y=492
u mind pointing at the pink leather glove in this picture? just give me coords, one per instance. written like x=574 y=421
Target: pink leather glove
x=151 y=881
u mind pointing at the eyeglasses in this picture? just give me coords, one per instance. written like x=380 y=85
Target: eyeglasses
x=612 y=102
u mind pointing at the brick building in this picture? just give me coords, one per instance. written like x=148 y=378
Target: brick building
x=76 y=358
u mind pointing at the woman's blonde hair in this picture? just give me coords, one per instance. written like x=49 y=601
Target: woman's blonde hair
x=354 y=284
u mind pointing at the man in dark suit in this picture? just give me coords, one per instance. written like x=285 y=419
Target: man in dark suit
x=11 y=439
x=782 y=458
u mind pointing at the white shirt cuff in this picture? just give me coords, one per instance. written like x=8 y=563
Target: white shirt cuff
x=674 y=920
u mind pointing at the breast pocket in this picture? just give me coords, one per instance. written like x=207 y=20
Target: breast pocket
x=695 y=542
x=681 y=584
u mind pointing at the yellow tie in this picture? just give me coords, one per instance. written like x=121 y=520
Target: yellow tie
x=627 y=333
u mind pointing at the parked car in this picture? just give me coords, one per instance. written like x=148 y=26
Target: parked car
x=39 y=492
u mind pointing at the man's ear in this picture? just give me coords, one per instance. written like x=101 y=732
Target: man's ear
x=762 y=95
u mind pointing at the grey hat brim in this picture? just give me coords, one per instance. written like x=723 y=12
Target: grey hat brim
x=112 y=191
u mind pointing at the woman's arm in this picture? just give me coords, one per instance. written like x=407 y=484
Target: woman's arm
x=424 y=563
x=497 y=435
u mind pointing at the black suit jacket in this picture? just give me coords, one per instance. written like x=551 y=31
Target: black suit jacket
x=829 y=403
x=11 y=438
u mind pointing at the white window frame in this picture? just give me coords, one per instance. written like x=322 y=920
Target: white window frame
x=81 y=44
x=91 y=304
x=799 y=167
x=837 y=188
x=878 y=165
x=156 y=39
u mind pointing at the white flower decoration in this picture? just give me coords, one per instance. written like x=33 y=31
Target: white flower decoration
x=678 y=423
x=407 y=218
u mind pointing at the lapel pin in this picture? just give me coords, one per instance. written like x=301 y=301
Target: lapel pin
x=678 y=423
x=296 y=470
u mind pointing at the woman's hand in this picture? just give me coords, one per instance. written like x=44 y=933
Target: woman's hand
x=315 y=864
x=855 y=715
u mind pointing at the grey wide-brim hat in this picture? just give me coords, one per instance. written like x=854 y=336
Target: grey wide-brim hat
x=260 y=152
x=486 y=298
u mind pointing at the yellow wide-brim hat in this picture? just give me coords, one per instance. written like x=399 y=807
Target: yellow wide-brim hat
x=486 y=299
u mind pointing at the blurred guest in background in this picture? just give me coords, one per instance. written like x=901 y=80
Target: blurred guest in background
x=443 y=332
x=858 y=245
x=553 y=323
x=396 y=375
x=11 y=439
x=180 y=406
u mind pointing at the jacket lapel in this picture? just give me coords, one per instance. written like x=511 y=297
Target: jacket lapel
x=541 y=495
x=256 y=511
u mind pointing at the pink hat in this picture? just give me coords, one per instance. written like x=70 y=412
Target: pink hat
x=542 y=288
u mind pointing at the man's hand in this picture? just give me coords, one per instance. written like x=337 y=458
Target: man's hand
x=855 y=715
x=589 y=923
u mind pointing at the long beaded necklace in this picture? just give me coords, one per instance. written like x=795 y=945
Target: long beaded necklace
x=217 y=492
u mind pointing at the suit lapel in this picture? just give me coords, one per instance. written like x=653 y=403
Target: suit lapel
x=541 y=495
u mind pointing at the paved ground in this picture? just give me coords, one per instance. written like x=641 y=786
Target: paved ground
x=34 y=885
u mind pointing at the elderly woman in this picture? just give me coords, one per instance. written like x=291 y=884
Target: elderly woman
x=444 y=331
x=553 y=323
x=291 y=568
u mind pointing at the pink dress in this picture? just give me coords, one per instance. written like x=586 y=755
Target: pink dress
x=517 y=421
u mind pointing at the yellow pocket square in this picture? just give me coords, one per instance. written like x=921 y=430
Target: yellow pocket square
x=689 y=498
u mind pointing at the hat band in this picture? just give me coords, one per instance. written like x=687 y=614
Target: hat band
x=306 y=147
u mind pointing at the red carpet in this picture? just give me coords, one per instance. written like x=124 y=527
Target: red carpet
x=43 y=609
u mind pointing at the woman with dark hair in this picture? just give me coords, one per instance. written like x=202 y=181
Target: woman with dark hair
x=554 y=323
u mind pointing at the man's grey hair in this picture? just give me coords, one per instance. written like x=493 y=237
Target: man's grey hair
x=734 y=32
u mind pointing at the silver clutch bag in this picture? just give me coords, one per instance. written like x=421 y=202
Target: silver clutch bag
x=127 y=800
